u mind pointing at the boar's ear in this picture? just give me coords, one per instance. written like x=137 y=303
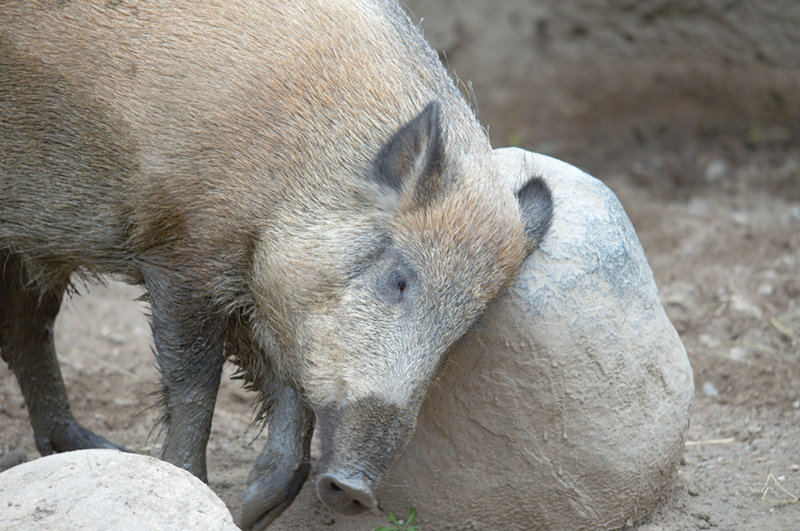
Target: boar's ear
x=414 y=156
x=536 y=209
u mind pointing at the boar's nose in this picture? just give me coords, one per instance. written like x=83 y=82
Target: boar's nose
x=347 y=496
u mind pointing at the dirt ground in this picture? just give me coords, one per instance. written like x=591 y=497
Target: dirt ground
x=719 y=219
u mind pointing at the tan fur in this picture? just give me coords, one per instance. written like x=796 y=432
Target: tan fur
x=231 y=143
x=205 y=124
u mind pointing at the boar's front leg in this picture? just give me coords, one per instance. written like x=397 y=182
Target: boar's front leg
x=189 y=339
x=27 y=345
x=283 y=466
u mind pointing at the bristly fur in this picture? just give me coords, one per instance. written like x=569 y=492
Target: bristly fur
x=253 y=368
x=298 y=184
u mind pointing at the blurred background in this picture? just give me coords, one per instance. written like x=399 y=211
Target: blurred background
x=614 y=83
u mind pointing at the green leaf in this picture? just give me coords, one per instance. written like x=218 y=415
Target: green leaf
x=400 y=525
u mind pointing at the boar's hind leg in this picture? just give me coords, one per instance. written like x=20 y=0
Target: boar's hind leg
x=189 y=339
x=283 y=466
x=26 y=344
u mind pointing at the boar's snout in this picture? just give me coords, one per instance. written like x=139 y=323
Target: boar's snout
x=348 y=496
x=360 y=440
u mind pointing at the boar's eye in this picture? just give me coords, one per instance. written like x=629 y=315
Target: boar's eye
x=396 y=280
x=397 y=285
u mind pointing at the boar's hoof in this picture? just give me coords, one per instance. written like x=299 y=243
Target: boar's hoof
x=346 y=496
x=269 y=495
x=69 y=436
x=283 y=466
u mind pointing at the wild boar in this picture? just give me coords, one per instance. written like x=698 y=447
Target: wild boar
x=299 y=186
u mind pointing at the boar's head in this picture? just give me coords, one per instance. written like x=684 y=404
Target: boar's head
x=368 y=287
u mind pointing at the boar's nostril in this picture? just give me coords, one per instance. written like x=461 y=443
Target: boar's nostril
x=345 y=495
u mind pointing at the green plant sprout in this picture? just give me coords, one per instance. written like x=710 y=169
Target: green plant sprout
x=401 y=525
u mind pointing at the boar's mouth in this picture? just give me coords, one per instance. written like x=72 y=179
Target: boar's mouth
x=360 y=441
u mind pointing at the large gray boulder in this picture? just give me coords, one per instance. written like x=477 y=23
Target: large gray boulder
x=107 y=489
x=568 y=404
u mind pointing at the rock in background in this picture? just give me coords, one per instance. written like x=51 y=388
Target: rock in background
x=567 y=406
x=107 y=489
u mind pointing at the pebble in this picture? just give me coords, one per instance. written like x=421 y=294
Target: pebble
x=770 y=274
x=765 y=290
x=737 y=353
x=707 y=340
x=795 y=467
x=741 y=218
x=709 y=389
x=796 y=213
x=745 y=308
x=715 y=171
x=117 y=338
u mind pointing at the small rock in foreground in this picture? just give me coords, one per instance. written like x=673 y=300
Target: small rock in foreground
x=107 y=489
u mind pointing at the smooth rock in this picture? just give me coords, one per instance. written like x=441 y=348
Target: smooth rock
x=709 y=389
x=107 y=489
x=567 y=405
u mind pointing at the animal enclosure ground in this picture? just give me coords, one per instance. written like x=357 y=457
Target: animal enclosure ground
x=720 y=224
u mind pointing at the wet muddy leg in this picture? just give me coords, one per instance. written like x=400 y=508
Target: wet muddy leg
x=27 y=345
